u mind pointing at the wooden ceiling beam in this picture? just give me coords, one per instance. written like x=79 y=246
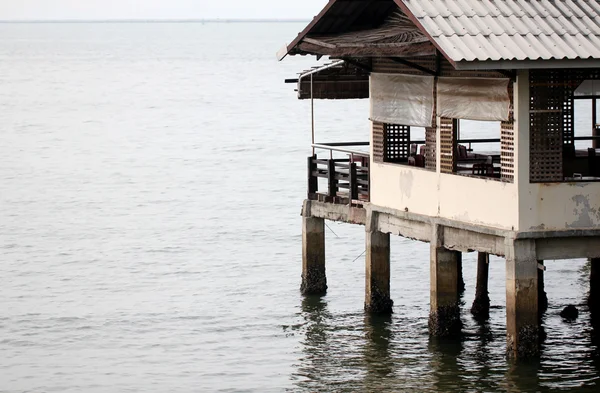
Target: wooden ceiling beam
x=370 y=50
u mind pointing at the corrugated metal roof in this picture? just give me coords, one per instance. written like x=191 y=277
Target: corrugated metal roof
x=468 y=30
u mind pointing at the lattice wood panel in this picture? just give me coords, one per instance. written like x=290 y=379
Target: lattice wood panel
x=431 y=136
x=447 y=145
x=546 y=125
x=568 y=111
x=507 y=141
x=396 y=143
x=378 y=138
x=430 y=148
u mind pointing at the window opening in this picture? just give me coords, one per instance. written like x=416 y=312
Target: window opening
x=401 y=144
x=477 y=148
x=581 y=158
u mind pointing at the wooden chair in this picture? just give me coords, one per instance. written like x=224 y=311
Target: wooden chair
x=417 y=160
x=461 y=152
x=483 y=169
x=420 y=161
x=363 y=161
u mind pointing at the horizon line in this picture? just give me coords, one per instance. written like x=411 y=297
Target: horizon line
x=160 y=20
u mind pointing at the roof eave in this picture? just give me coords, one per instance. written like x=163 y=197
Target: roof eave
x=526 y=64
x=290 y=48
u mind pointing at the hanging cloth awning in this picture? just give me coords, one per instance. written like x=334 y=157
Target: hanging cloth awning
x=473 y=98
x=402 y=99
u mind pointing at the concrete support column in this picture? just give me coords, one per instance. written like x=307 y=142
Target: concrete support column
x=481 y=304
x=594 y=298
x=314 y=280
x=460 y=281
x=444 y=315
x=522 y=331
x=542 y=297
x=377 y=272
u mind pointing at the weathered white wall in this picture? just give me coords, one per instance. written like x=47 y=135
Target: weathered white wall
x=554 y=206
x=403 y=187
x=479 y=201
x=471 y=200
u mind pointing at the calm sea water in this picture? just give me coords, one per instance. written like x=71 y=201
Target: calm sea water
x=151 y=179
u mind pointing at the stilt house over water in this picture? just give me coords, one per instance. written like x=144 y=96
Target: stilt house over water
x=529 y=193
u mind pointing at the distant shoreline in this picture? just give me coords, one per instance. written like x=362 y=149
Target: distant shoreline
x=18 y=21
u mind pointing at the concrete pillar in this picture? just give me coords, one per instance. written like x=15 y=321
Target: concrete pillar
x=444 y=315
x=481 y=304
x=314 y=280
x=522 y=333
x=377 y=272
x=460 y=282
x=542 y=297
x=594 y=297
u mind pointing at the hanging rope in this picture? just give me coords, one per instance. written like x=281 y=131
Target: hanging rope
x=331 y=230
x=363 y=253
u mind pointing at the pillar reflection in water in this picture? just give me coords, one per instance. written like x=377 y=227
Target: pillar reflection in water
x=312 y=370
x=483 y=357
x=523 y=375
x=377 y=352
x=445 y=363
x=594 y=307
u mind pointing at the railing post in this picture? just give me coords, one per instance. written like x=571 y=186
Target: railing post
x=313 y=184
x=368 y=182
x=353 y=186
x=331 y=178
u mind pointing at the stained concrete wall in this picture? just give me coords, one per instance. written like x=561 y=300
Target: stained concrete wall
x=402 y=187
x=555 y=206
x=472 y=200
x=478 y=201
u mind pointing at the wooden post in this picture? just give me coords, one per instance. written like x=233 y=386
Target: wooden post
x=353 y=186
x=377 y=273
x=542 y=297
x=314 y=279
x=444 y=314
x=481 y=304
x=313 y=184
x=332 y=192
x=522 y=331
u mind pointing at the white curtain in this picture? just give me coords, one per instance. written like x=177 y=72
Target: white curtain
x=402 y=99
x=473 y=98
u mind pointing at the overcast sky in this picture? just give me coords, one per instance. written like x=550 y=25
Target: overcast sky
x=158 y=9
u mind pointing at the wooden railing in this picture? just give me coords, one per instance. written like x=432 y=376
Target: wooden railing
x=347 y=178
